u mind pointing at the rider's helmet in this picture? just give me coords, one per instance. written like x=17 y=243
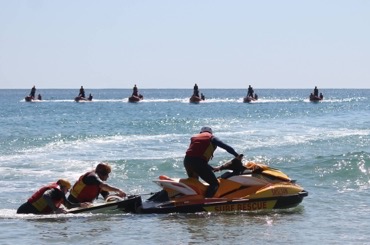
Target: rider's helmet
x=103 y=168
x=64 y=183
x=206 y=129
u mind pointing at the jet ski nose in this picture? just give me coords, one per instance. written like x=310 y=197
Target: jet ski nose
x=303 y=193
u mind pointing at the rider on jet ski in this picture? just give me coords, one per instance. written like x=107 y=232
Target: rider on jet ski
x=198 y=154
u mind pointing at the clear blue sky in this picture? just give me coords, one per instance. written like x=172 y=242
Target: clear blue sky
x=175 y=43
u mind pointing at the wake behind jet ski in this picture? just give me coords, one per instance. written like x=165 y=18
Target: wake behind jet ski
x=249 y=187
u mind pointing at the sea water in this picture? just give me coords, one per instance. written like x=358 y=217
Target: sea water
x=324 y=146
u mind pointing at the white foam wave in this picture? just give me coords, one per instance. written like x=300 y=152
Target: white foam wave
x=12 y=214
x=260 y=137
x=85 y=153
x=106 y=147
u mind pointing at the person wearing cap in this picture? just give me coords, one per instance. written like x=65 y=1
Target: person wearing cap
x=199 y=153
x=92 y=183
x=196 y=90
x=33 y=92
x=250 y=91
x=316 y=91
x=135 y=91
x=48 y=199
x=82 y=92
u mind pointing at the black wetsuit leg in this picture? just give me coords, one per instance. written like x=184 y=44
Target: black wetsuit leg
x=198 y=167
x=27 y=208
x=189 y=162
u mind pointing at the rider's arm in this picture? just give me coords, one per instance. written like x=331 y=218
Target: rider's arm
x=105 y=188
x=69 y=204
x=224 y=146
x=48 y=196
x=109 y=188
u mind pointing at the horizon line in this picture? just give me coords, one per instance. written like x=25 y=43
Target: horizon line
x=184 y=88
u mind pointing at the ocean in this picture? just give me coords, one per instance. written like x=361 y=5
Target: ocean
x=324 y=146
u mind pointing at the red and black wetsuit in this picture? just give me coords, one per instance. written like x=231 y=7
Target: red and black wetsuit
x=197 y=156
x=87 y=188
x=46 y=200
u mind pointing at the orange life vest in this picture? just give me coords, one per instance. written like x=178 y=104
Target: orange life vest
x=201 y=146
x=40 y=203
x=83 y=192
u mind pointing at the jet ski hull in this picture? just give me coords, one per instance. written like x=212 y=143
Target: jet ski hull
x=128 y=205
x=82 y=99
x=195 y=99
x=220 y=205
x=31 y=99
x=314 y=98
x=258 y=187
x=134 y=98
x=249 y=99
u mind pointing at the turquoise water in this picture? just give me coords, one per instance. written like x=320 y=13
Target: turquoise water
x=324 y=146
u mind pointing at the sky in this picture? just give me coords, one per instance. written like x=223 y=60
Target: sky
x=174 y=43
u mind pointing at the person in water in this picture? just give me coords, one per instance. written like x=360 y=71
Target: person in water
x=199 y=153
x=92 y=183
x=135 y=91
x=316 y=92
x=33 y=91
x=196 y=90
x=82 y=92
x=48 y=200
